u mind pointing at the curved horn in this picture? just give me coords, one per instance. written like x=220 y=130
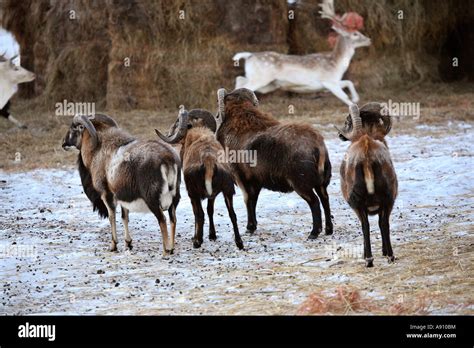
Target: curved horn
x=84 y=120
x=221 y=92
x=102 y=118
x=13 y=58
x=180 y=132
x=356 y=121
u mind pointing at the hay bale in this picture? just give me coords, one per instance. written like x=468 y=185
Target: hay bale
x=183 y=57
x=78 y=43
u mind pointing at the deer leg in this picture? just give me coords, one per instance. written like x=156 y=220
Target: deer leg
x=337 y=91
x=5 y=112
x=348 y=84
x=128 y=239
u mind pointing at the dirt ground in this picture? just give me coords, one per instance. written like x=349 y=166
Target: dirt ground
x=53 y=248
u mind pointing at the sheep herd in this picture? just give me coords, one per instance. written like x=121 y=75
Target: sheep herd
x=118 y=169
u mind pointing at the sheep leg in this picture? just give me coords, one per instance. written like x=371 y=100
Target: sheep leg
x=210 y=213
x=251 y=197
x=335 y=89
x=163 y=228
x=199 y=222
x=230 y=208
x=128 y=239
x=310 y=197
x=172 y=214
x=364 y=219
x=324 y=197
x=384 y=225
x=109 y=204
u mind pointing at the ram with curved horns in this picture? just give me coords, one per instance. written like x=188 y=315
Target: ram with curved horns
x=116 y=168
x=206 y=173
x=290 y=156
x=368 y=178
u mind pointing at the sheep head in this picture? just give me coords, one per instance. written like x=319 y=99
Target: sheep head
x=237 y=96
x=196 y=118
x=73 y=137
x=373 y=117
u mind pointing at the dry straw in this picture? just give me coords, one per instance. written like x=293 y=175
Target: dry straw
x=160 y=54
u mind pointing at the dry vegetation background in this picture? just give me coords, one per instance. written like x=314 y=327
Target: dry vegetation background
x=177 y=61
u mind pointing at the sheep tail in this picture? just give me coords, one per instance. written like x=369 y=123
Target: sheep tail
x=209 y=165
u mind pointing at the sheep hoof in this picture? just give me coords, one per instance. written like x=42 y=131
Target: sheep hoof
x=128 y=245
x=369 y=262
x=314 y=234
x=249 y=231
x=391 y=259
x=329 y=230
x=169 y=252
x=212 y=236
x=197 y=243
x=239 y=244
x=113 y=247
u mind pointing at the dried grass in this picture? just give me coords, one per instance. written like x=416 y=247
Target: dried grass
x=177 y=61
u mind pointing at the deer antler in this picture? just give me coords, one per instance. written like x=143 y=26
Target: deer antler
x=350 y=21
x=328 y=12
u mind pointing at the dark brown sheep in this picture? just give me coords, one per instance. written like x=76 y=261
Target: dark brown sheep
x=290 y=156
x=368 y=179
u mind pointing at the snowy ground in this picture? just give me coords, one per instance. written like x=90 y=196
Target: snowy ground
x=54 y=258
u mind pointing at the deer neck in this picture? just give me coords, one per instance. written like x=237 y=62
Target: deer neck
x=342 y=53
x=7 y=90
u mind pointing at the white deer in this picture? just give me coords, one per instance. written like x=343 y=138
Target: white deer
x=268 y=71
x=11 y=73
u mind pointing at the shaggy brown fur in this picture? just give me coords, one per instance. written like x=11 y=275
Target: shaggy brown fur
x=205 y=177
x=118 y=167
x=369 y=185
x=290 y=157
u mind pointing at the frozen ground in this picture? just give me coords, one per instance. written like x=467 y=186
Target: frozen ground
x=54 y=258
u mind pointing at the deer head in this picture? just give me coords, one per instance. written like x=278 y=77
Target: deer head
x=347 y=26
x=12 y=73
